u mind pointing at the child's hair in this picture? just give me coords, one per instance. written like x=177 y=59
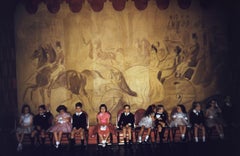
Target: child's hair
x=42 y=106
x=194 y=105
x=164 y=111
x=127 y=105
x=102 y=105
x=61 y=107
x=182 y=108
x=78 y=104
x=25 y=106
x=159 y=107
x=150 y=110
x=209 y=104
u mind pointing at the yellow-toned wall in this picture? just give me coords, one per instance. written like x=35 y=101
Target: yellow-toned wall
x=137 y=57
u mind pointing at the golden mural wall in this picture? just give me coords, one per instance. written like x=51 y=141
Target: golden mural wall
x=137 y=57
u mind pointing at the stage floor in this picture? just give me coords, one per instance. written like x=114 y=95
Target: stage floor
x=228 y=147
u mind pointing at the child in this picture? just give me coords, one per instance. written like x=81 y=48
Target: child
x=197 y=121
x=161 y=118
x=104 y=126
x=180 y=120
x=126 y=123
x=147 y=122
x=41 y=122
x=79 y=123
x=25 y=125
x=62 y=124
x=213 y=119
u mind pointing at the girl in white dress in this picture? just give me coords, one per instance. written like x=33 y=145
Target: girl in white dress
x=147 y=122
x=25 y=125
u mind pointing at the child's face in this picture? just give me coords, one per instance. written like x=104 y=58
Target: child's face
x=154 y=109
x=198 y=107
x=102 y=109
x=41 y=111
x=26 y=110
x=213 y=103
x=78 y=109
x=61 y=111
x=179 y=110
x=127 y=109
x=160 y=110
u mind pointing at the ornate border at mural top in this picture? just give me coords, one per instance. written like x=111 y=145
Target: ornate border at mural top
x=75 y=6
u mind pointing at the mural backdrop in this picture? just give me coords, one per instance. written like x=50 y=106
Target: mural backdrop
x=136 y=57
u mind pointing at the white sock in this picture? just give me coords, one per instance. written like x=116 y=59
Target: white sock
x=146 y=138
x=139 y=139
x=203 y=138
x=196 y=139
x=221 y=135
x=183 y=135
x=57 y=142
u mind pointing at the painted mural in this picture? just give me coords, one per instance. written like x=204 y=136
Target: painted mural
x=137 y=57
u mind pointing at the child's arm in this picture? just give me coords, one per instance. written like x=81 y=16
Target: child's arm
x=20 y=121
x=120 y=121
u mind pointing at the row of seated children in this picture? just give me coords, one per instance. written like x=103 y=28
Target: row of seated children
x=154 y=117
x=157 y=117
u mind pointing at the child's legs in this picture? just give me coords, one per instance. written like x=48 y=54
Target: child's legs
x=43 y=133
x=100 y=137
x=195 y=131
x=34 y=132
x=219 y=128
x=18 y=137
x=60 y=136
x=149 y=131
x=55 y=134
x=106 y=136
x=182 y=129
x=159 y=128
x=124 y=132
x=74 y=131
x=21 y=137
x=141 y=131
x=203 y=130
x=129 y=131
x=81 y=131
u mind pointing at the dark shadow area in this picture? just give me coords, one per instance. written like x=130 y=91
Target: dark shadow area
x=227 y=147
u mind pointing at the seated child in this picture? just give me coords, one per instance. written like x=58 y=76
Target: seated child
x=147 y=122
x=180 y=120
x=42 y=121
x=197 y=121
x=213 y=118
x=79 y=123
x=161 y=119
x=103 y=124
x=126 y=123
x=25 y=125
x=62 y=124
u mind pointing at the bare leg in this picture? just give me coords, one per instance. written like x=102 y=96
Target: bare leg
x=195 y=131
x=124 y=132
x=60 y=136
x=140 y=134
x=55 y=136
x=129 y=133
